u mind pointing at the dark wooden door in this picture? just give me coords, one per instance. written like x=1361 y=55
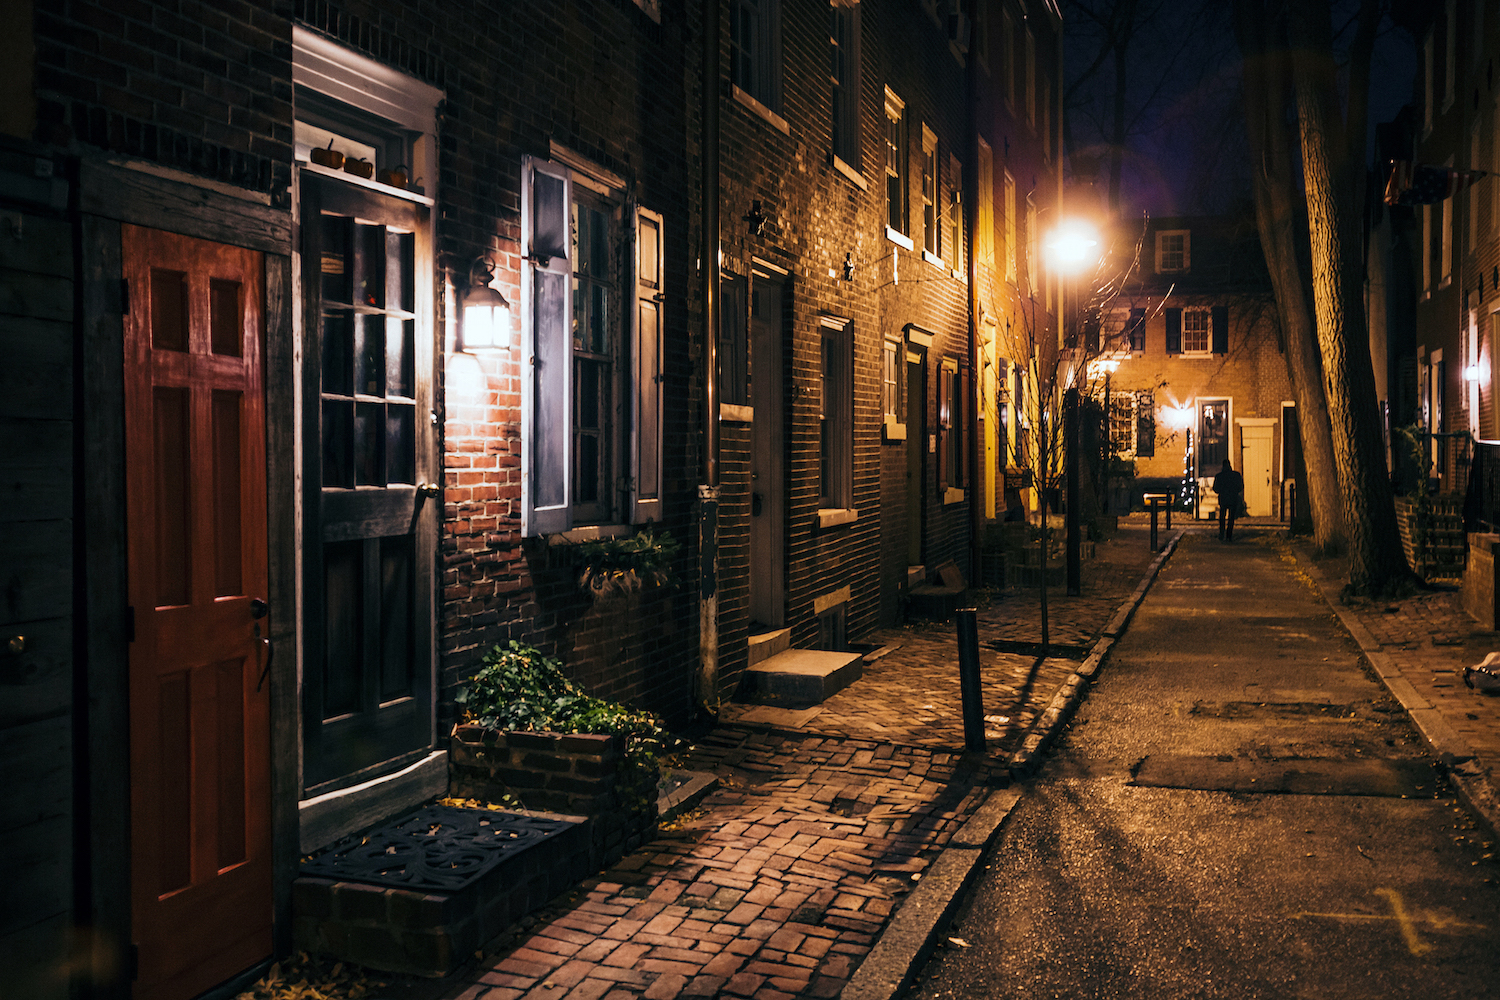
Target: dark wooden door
x=369 y=528
x=199 y=710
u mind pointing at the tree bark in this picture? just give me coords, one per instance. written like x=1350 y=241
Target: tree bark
x=1265 y=87
x=1376 y=561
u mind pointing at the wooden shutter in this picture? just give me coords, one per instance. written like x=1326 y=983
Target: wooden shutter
x=647 y=354
x=946 y=472
x=1137 y=330
x=961 y=417
x=546 y=421
x=1220 y=319
x=1174 y=330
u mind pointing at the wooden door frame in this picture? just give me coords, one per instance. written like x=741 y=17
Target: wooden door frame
x=108 y=196
x=1260 y=427
x=775 y=492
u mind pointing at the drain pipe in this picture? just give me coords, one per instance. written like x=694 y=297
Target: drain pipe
x=708 y=491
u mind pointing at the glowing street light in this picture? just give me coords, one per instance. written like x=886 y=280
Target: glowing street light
x=1072 y=245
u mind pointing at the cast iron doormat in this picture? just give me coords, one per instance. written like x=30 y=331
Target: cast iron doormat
x=442 y=848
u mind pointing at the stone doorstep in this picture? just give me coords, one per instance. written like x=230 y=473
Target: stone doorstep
x=800 y=677
x=764 y=645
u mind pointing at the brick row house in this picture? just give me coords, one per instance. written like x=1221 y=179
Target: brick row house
x=1197 y=370
x=334 y=329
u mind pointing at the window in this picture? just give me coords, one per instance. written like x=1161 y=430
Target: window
x=1033 y=273
x=1445 y=271
x=1122 y=425
x=1008 y=56
x=843 y=38
x=1028 y=93
x=956 y=240
x=895 y=162
x=982 y=32
x=1450 y=53
x=930 y=233
x=1010 y=228
x=755 y=50
x=1195 y=331
x=1173 y=251
x=1045 y=130
x=835 y=416
x=892 y=394
x=1135 y=331
x=1473 y=195
x=1426 y=250
x=1145 y=424
x=952 y=403
x=1213 y=435
x=591 y=419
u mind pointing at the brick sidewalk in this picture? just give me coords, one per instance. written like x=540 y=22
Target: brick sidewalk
x=777 y=887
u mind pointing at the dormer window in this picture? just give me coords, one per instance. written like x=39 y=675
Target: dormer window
x=1173 y=251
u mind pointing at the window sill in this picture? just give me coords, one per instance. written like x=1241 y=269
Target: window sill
x=899 y=239
x=588 y=533
x=1445 y=282
x=849 y=172
x=893 y=430
x=934 y=260
x=960 y=275
x=952 y=496
x=735 y=413
x=760 y=111
x=832 y=517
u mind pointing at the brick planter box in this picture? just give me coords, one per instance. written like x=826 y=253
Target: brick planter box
x=576 y=774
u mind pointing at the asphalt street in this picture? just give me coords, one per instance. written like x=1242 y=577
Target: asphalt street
x=1237 y=810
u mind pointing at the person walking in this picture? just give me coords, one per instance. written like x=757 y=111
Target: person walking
x=1230 y=486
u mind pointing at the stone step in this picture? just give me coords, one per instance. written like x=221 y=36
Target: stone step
x=800 y=677
x=764 y=645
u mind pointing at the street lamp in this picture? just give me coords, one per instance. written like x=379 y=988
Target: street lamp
x=1072 y=248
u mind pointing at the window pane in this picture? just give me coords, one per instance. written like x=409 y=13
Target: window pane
x=549 y=236
x=400 y=252
x=338 y=238
x=369 y=357
x=401 y=443
x=396 y=567
x=553 y=371
x=338 y=353
x=599 y=320
x=400 y=364
x=369 y=444
x=369 y=256
x=343 y=601
x=338 y=443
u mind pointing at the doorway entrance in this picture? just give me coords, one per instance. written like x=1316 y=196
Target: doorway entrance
x=200 y=829
x=916 y=455
x=1256 y=451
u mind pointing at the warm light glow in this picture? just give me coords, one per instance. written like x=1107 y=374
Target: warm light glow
x=1178 y=416
x=486 y=320
x=1471 y=373
x=1073 y=244
x=1103 y=366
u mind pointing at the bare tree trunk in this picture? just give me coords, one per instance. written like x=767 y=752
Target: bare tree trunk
x=1266 y=83
x=1376 y=562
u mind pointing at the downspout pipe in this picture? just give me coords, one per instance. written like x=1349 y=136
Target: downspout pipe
x=971 y=231
x=707 y=694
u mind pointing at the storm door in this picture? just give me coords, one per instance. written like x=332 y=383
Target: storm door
x=370 y=517
x=200 y=731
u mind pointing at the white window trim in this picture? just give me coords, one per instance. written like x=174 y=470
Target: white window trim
x=854 y=176
x=843 y=482
x=1209 y=350
x=1187 y=251
x=900 y=239
x=759 y=110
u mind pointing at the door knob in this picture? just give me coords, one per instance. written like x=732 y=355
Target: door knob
x=258 y=608
x=757 y=501
x=429 y=489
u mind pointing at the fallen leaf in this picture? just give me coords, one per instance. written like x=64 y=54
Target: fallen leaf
x=958 y=942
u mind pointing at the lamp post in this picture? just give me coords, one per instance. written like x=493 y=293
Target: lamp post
x=1073 y=246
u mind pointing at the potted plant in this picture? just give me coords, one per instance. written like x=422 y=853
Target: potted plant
x=529 y=733
x=615 y=567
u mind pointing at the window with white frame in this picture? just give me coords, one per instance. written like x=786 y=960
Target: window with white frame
x=931 y=241
x=755 y=49
x=1122 y=425
x=951 y=420
x=895 y=162
x=1445 y=261
x=1010 y=228
x=1173 y=251
x=843 y=39
x=1196 y=330
x=591 y=420
x=956 y=215
x=835 y=415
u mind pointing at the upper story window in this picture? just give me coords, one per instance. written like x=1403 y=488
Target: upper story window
x=1010 y=228
x=835 y=416
x=931 y=239
x=1008 y=56
x=1173 y=251
x=1195 y=331
x=895 y=162
x=755 y=50
x=843 y=71
x=956 y=239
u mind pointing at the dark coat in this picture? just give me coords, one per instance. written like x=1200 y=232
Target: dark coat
x=1230 y=486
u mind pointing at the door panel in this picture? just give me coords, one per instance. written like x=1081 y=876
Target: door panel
x=370 y=531
x=1255 y=459
x=199 y=719
x=916 y=455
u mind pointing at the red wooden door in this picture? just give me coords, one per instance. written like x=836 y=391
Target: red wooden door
x=199 y=711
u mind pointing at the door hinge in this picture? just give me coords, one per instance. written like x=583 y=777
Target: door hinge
x=133 y=963
x=124 y=296
x=129 y=623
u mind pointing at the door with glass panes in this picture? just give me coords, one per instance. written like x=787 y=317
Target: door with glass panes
x=370 y=516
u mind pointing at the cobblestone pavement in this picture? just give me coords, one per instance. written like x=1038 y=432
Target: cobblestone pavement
x=777 y=886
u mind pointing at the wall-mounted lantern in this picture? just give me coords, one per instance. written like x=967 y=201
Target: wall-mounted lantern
x=485 y=323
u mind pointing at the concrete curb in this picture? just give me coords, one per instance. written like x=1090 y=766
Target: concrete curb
x=1474 y=789
x=913 y=931
x=1044 y=730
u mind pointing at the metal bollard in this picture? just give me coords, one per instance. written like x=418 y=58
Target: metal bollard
x=1167 y=503
x=1154 y=508
x=968 y=677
